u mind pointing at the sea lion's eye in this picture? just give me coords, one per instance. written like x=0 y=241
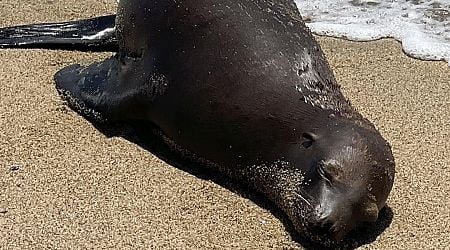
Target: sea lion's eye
x=324 y=174
x=308 y=139
x=330 y=170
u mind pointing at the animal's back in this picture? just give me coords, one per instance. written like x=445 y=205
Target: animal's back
x=238 y=63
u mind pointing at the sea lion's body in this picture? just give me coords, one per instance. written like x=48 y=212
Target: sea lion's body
x=244 y=87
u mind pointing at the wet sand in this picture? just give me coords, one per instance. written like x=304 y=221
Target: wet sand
x=66 y=185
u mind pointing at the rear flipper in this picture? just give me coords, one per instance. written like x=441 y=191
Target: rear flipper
x=96 y=34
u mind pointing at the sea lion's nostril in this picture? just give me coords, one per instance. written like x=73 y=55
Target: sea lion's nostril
x=327 y=226
x=331 y=229
x=338 y=233
x=371 y=212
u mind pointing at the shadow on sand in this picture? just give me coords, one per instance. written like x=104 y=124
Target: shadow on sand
x=142 y=135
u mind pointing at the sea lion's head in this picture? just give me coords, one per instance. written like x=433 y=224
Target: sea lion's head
x=349 y=175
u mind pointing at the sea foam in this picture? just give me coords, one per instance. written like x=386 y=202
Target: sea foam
x=422 y=26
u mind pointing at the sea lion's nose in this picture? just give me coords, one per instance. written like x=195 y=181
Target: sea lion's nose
x=332 y=228
x=336 y=223
x=370 y=212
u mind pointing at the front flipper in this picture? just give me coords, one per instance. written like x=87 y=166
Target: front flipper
x=112 y=90
x=84 y=87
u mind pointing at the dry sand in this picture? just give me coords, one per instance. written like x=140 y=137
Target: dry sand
x=75 y=188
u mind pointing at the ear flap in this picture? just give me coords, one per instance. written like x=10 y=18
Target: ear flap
x=308 y=139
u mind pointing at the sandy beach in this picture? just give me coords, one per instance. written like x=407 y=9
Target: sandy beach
x=66 y=185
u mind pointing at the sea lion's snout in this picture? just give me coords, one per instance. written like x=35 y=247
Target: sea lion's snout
x=338 y=223
x=349 y=174
x=334 y=230
x=332 y=225
x=335 y=217
x=344 y=201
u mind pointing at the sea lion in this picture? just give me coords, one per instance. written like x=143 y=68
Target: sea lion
x=243 y=87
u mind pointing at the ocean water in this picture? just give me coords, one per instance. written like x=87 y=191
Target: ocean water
x=422 y=26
